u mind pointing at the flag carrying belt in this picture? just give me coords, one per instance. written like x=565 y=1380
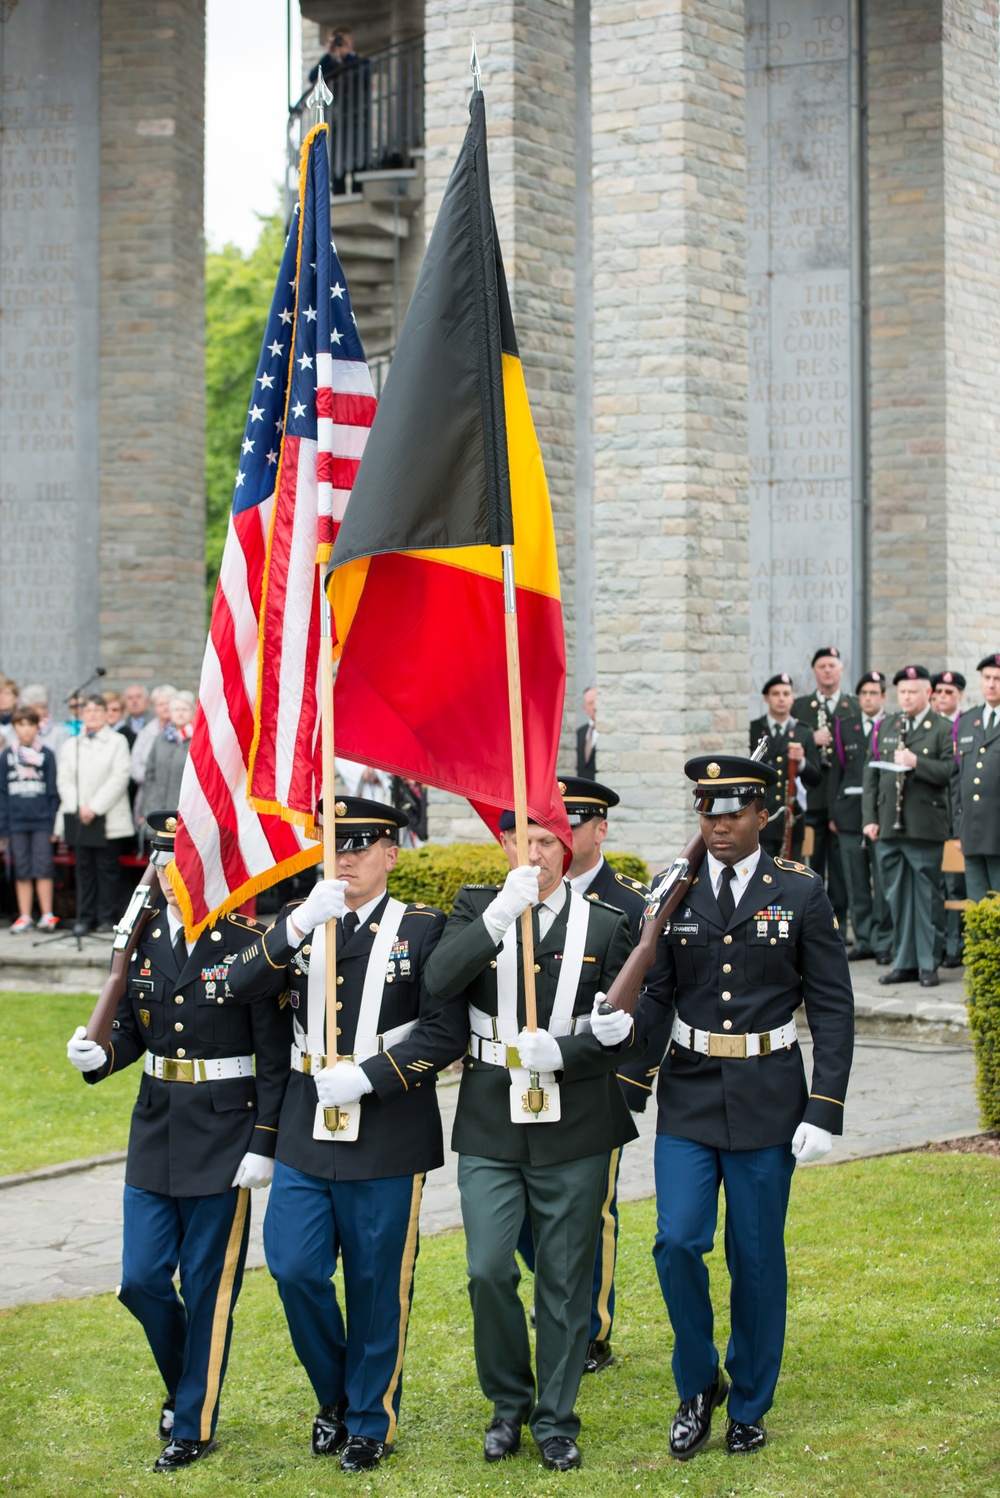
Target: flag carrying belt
x=308 y=1051
x=491 y=1037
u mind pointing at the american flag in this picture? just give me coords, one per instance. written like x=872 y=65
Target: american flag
x=309 y=415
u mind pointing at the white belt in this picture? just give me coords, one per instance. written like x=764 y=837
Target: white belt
x=198 y=1069
x=736 y=1047
x=484 y=1048
x=311 y=1062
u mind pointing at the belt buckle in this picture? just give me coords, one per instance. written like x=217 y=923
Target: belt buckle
x=764 y=1041
x=312 y=1063
x=177 y=1071
x=732 y=1046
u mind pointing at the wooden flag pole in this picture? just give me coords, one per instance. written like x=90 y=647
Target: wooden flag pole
x=329 y=814
x=520 y=778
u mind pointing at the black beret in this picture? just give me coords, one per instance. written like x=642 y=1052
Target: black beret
x=781 y=679
x=948 y=679
x=826 y=650
x=911 y=673
x=870 y=676
x=989 y=660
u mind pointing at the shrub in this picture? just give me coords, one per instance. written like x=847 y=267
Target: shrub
x=982 y=985
x=433 y=874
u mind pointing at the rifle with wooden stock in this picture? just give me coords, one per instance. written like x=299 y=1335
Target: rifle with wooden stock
x=127 y=933
x=625 y=990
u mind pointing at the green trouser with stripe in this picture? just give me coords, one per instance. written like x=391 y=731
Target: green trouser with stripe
x=565 y=1203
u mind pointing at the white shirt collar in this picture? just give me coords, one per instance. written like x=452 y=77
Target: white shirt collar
x=364 y=911
x=831 y=699
x=175 y=924
x=773 y=726
x=582 y=882
x=745 y=870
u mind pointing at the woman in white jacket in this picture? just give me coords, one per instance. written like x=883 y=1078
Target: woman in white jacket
x=92 y=780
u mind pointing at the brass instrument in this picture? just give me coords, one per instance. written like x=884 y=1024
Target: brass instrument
x=898 y=825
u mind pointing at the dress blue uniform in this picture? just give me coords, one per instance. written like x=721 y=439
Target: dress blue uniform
x=200 y=1109
x=356 y=1202
x=732 y=1092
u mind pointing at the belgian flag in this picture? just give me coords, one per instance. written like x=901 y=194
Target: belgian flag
x=451 y=473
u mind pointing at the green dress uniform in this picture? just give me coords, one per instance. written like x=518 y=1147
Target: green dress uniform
x=775 y=796
x=825 y=857
x=910 y=860
x=975 y=796
x=557 y=1169
x=870 y=917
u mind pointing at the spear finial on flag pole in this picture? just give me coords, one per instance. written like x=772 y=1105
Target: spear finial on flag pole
x=320 y=98
x=477 y=75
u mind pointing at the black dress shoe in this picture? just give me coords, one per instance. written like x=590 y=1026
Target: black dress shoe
x=560 y=1454
x=503 y=1437
x=361 y=1454
x=165 y=1429
x=883 y=958
x=900 y=975
x=953 y=962
x=329 y=1430
x=597 y=1356
x=741 y=1438
x=929 y=977
x=692 y=1424
x=860 y=954
x=181 y=1453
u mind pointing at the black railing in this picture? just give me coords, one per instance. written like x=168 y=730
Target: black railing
x=376 y=119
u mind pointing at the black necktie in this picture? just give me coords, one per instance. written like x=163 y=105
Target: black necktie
x=350 y=924
x=180 y=949
x=727 y=904
x=990 y=720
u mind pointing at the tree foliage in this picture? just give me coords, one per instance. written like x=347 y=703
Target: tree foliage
x=238 y=293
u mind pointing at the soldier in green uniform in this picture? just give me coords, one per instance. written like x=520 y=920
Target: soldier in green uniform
x=788 y=743
x=948 y=688
x=870 y=918
x=819 y=710
x=554 y=1162
x=909 y=821
x=976 y=787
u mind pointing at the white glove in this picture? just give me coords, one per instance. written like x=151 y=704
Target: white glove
x=254 y=1170
x=520 y=890
x=810 y=1143
x=539 y=1051
x=609 y=1029
x=325 y=902
x=86 y=1055
x=336 y=1086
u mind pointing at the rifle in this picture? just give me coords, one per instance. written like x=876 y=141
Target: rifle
x=127 y=934
x=625 y=990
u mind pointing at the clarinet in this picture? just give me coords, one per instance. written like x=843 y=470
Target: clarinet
x=823 y=721
x=898 y=826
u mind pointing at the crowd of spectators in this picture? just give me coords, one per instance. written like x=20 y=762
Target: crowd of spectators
x=76 y=791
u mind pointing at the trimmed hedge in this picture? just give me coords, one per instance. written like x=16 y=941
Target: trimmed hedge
x=982 y=990
x=433 y=874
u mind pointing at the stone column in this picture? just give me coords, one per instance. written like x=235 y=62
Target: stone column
x=151 y=371
x=934 y=330
x=526 y=53
x=670 y=404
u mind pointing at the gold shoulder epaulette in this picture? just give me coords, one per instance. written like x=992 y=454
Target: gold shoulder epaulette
x=419 y=908
x=791 y=867
x=628 y=883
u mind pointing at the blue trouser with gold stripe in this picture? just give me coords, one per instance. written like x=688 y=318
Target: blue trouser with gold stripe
x=756 y=1183
x=602 y=1296
x=205 y=1237
x=371 y=1227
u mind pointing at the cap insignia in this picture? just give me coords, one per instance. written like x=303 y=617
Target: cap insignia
x=714 y=771
x=562 y=787
x=171 y=824
x=340 y=809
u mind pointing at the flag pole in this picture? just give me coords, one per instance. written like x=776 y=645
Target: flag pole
x=319 y=99
x=516 y=726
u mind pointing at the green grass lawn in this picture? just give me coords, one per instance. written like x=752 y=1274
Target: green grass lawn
x=890 y=1387
x=47 y=1111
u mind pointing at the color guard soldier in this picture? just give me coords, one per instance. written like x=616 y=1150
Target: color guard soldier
x=755 y=938
x=587 y=804
x=788 y=743
x=947 y=690
x=870 y=918
x=354 y=1196
x=818 y=710
x=203 y=1133
x=976 y=786
x=543 y=1147
x=906 y=814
